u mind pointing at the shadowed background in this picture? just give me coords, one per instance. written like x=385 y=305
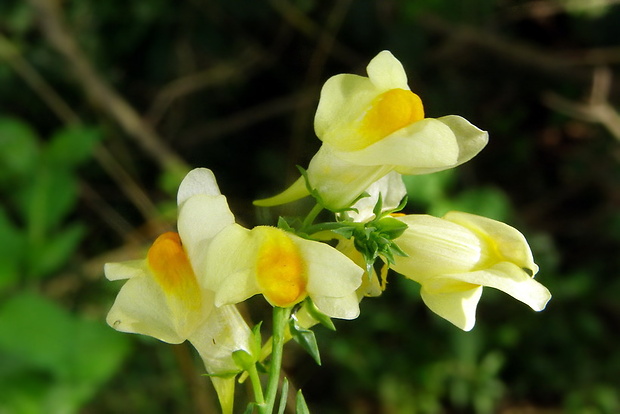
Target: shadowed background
x=105 y=105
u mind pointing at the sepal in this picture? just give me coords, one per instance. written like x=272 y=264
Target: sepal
x=305 y=338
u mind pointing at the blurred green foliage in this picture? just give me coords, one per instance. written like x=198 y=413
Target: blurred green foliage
x=232 y=86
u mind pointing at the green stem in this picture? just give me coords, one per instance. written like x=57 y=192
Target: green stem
x=311 y=216
x=256 y=385
x=280 y=319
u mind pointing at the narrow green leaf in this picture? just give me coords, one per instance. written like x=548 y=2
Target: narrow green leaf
x=19 y=150
x=256 y=343
x=323 y=319
x=300 y=404
x=378 y=207
x=305 y=338
x=283 y=396
x=71 y=146
x=48 y=255
x=250 y=408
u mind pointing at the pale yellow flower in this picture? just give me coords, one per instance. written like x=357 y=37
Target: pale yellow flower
x=284 y=268
x=455 y=256
x=373 y=125
x=165 y=295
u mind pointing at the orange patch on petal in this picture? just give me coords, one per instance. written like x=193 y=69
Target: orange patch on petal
x=389 y=112
x=172 y=270
x=280 y=269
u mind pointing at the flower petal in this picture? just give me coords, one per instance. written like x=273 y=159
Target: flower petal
x=343 y=99
x=141 y=307
x=197 y=181
x=511 y=279
x=125 y=270
x=511 y=245
x=201 y=217
x=452 y=300
x=421 y=147
x=346 y=307
x=224 y=332
x=471 y=139
x=339 y=182
x=392 y=190
x=386 y=72
x=435 y=247
x=330 y=272
x=230 y=266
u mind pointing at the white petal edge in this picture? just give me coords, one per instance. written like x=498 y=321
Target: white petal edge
x=201 y=218
x=510 y=242
x=330 y=272
x=140 y=307
x=125 y=270
x=230 y=266
x=510 y=279
x=197 y=181
x=386 y=72
x=346 y=307
x=456 y=303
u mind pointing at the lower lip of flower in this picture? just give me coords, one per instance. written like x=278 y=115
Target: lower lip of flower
x=280 y=269
x=389 y=112
x=172 y=270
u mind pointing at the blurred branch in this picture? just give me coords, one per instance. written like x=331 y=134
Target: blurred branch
x=99 y=92
x=541 y=9
x=596 y=109
x=14 y=58
x=461 y=37
x=10 y=53
x=178 y=88
x=325 y=44
x=247 y=117
x=312 y=30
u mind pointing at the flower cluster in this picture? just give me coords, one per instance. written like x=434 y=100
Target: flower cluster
x=373 y=130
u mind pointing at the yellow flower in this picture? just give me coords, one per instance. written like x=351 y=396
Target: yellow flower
x=165 y=295
x=284 y=268
x=373 y=125
x=455 y=256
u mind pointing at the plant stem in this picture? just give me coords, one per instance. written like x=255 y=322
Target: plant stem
x=256 y=385
x=280 y=318
x=311 y=216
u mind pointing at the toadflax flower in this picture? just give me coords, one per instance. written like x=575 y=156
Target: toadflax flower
x=455 y=256
x=373 y=125
x=165 y=295
x=284 y=268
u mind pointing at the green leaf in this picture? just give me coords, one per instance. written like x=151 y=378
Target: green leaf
x=47 y=256
x=71 y=146
x=13 y=244
x=243 y=359
x=313 y=311
x=256 y=341
x=379 y=206
x=305 y=338
x=283 y=224
x=390 y=227
x=300 y=404
x=250 y=408
x=19 y=151
x=46 y=201
x=78 y=353
x=283 y=396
